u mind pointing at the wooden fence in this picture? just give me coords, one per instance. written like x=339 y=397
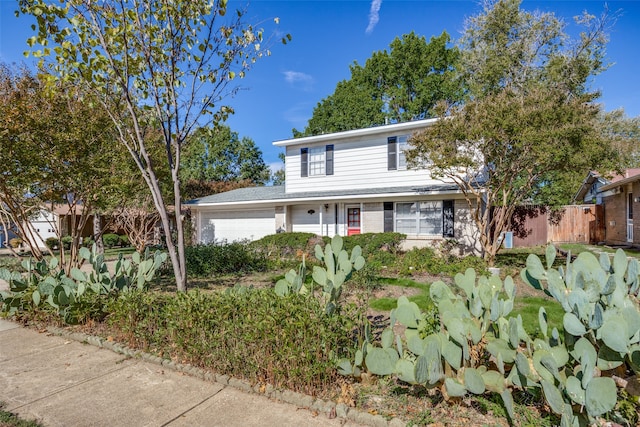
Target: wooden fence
x=537 y=225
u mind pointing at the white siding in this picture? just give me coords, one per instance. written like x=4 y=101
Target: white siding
x=44 y=226
x=305 y=222
x=236 y=225
x=359 y=163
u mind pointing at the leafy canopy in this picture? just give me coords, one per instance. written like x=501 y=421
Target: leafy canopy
x=529 y=125
x=152 y=64
x=398 y=85
x=218 y=154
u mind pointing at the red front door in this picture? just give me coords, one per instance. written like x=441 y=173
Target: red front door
x=353 y=221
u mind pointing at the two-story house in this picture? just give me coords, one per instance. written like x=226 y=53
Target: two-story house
x=343 y=183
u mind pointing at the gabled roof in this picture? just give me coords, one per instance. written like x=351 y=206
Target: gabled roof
x=621 y=181
x=375 y=130
x=276 y=194
x=629 y=175
x=592 y=177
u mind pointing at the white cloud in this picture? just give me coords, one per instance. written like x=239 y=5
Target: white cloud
x=374 y=16
x=275 y=166
x=296 y=78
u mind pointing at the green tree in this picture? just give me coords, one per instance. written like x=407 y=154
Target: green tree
x=278 y=177
x=218 y=154
x=399 y=85
x=155 y=63
x=530 y=125
x=56 y=151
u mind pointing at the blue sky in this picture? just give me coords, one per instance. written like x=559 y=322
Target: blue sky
x=280 y=92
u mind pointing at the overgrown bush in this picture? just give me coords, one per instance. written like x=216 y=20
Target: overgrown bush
x=426 y=260
x=372 y=243
x=248 y=333
x=66 y=242
x=284 y=249
x=124 y=240
x=111 y=240
x=52 y=242
x=224 y=258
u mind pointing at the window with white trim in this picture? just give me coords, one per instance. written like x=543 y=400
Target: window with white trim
x=419 y=218
x=396 y=147
x=316 y=161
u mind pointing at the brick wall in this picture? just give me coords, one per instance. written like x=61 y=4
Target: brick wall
x=615 y=221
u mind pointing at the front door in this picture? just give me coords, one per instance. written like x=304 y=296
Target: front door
x=630 y=217
x=353 y=220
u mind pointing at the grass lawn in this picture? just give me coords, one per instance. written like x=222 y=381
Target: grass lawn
x=576 y=248
x=388 y=303
x=526 y=306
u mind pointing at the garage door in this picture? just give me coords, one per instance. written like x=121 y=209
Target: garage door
x=237 y=225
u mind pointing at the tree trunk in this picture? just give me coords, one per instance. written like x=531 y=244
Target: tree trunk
x=97 y=232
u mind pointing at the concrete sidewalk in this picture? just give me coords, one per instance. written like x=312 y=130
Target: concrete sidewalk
x=62 y=382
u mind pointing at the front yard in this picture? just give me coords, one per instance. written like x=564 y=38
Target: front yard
x=292 y=343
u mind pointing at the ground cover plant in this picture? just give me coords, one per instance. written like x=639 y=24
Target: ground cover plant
x=223 y=258
x=247 y=333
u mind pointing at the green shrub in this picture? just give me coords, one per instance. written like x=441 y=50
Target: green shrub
x=372 y=243
x=225 y=258
x=284 y=249
x=110 y=240
x=124 y=240
x=426 y=260
x=248 y=333
x=66 y=242
x=52 y=242
x=88 y=241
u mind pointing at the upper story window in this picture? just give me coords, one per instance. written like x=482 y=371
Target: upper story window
x=396 y=146
x=316 y=161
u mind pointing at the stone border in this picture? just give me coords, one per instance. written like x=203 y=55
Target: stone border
x=328 y=408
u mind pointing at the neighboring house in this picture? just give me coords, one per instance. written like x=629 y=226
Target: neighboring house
x=343 y=183
x=44 y=225
x=589 y=191
x=619 y=197
x=621 y=201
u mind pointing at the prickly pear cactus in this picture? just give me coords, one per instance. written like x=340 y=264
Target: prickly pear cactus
x=601 y=329
x=338 y=268
x=481 y=348
x=45 y=283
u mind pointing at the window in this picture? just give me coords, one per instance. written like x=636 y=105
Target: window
x=396 y=146
x=419 y=218
x=316 y=161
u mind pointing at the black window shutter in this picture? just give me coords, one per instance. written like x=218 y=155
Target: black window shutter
x=447 y=219
x=392 y=153
x=329 y=159
x=388 y=217
x=304 y=162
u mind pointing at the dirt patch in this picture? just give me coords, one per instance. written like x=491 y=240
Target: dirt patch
x=396 y=292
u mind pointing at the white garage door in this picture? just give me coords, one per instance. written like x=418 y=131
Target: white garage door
x=237 y=225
